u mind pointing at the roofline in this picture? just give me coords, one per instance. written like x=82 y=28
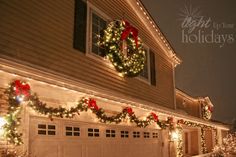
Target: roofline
x=147 y=19
x=199 y=99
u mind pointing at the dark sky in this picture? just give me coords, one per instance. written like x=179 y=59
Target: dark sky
x=209 y=59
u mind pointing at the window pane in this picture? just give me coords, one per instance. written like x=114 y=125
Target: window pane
x=145 y=71
x=42 y=126
x=76 y=129
x=76 y=134
x=51 y=133
x=53 y=127
x=42 y=132
x=98 y=24
x=69 y=128
x=68 y=133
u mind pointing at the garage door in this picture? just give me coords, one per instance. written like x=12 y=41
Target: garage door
x=67 y=138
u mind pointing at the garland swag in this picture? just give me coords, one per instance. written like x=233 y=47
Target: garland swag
x=19 y=91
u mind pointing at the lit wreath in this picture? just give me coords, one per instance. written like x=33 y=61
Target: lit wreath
x=123 y=47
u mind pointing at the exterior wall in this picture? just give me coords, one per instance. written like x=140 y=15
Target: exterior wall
x=194 y=142
x=209 y=140
x=188 y=105
x=40 y=33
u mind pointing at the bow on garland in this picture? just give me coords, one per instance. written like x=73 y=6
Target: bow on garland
x=92 y=104
x=20 y=88
x=130 y=29
x=155 y=117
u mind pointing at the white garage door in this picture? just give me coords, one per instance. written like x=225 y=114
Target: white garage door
x=67 y=138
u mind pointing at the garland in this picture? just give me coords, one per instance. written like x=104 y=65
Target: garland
x=203 y=128
x=19 y=92
x=179 y=147
x=128 y=60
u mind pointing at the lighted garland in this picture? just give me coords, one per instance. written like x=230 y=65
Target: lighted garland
x=114 y=39
x=19 y=91
x=179 y=147
x=203 y=141
x=203 y=128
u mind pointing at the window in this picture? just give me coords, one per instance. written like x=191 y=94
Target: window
x=93 y=132
x=146 y=134
x=136 y=134
x=110 y=133
x=145 y=74
x=72 y=131
x=98 y=24
x=124 y=134
x=44 y=129
x=154 y=135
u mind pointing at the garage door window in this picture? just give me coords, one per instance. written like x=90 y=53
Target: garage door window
x=155 y=135
x=93 y=132
x=146 y=134
x=110 y=133
x=44 y=129
x=124 y=134
x=136 y=134
x=72 y=131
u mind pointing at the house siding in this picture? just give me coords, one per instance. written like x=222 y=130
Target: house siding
x=41 y=33
x=190 y=106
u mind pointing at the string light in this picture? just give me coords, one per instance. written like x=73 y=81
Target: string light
x=112 y=99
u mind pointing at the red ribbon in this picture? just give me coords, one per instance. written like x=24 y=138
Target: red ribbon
x=210 y=108
x=129 y=110
x=92 y=104
x=170 y=119
x=130 y=29
x=155 y=117
x=181 y=121
x=22 y=89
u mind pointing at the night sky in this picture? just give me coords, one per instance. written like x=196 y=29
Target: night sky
x=203 y=34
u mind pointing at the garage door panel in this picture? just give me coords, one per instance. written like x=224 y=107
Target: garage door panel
x=111 y=148
x=78 y=139
x=72 y=150
x=94 y=150
x=45 y=149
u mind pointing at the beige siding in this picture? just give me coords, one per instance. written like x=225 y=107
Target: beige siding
x=41 y=33
x=209 y=140
x=191 y=107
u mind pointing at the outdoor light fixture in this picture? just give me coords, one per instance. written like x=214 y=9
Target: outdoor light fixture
x=174 y=135
x=2 y=123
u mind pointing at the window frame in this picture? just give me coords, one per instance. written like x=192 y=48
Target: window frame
x=47 y=130
x=72 y=131
x=90 y=10
x=141 y=78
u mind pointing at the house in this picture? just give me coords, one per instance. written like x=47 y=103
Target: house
x=83 y=106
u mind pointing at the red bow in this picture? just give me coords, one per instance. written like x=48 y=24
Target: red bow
x=22 y=88
x=210 y=108
x=170 y=119
x=181 y=121
x=92 y=104
x=155 y=117
x=130 y=29
x=129 y=110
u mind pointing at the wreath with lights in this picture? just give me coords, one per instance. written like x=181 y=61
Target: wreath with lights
x=19 y=92
x=123 y=47
x=207 y=111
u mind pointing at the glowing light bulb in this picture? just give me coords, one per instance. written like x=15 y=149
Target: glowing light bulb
x=2 y=123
